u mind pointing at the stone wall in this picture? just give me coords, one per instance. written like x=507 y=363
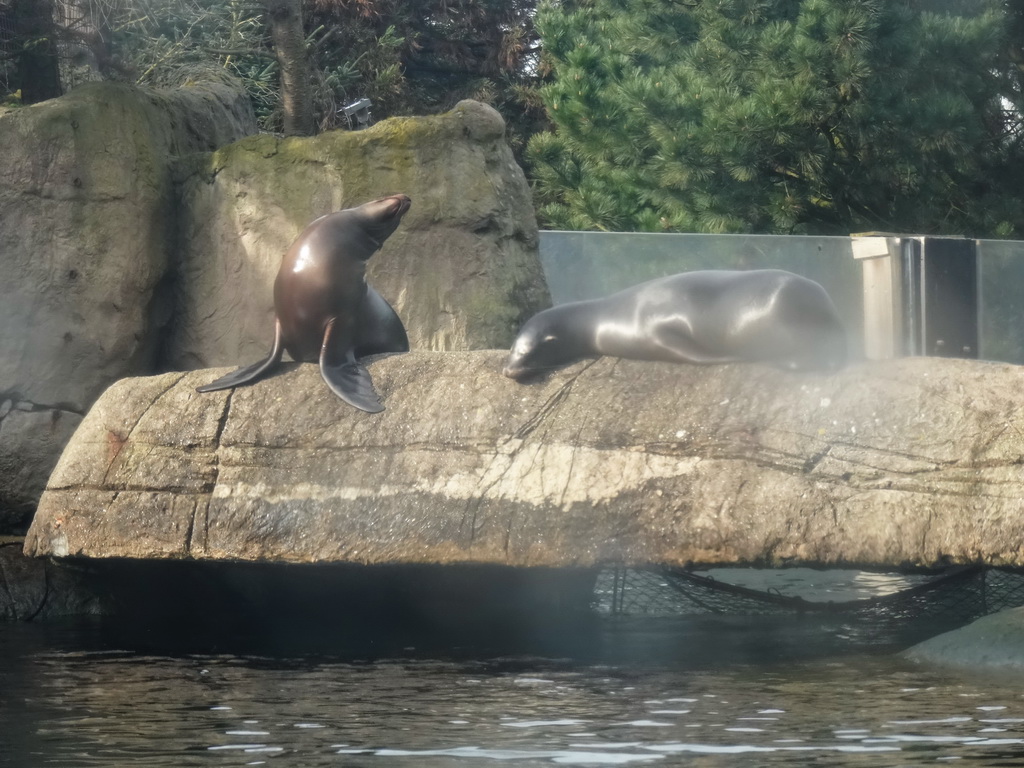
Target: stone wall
x=87 y=232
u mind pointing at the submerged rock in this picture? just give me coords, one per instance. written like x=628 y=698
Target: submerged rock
x=912 y=461
x=462 y=271
x=992 y=642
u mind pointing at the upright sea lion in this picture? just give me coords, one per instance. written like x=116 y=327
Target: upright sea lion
x=712 y=316
x=325 y=310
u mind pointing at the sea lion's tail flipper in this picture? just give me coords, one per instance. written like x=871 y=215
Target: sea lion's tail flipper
x=346 y=377
x=249 y=373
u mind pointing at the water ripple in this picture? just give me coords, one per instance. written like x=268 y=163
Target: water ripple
x=114 y=708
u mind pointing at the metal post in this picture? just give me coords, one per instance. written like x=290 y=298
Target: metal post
x=910 y=295
x=920 y=295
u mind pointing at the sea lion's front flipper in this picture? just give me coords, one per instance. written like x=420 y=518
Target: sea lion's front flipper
x=346 y=377
x=352 y=383
x=674 y=342
x=379 y=329
x=249 y=373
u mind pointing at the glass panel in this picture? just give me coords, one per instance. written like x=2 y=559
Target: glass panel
x=1001 y=325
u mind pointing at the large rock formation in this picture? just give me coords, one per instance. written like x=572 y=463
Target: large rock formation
x=462 y=270
x=113 y=260
x=914 y=461
x=87 y=230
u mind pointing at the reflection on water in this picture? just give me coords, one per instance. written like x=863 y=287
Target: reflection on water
x=703 y=691
x=819 y=585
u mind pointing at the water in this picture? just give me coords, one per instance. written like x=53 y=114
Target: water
x=817 y=585
x=701 y=691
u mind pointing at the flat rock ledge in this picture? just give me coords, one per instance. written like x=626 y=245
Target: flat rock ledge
x=917 y=461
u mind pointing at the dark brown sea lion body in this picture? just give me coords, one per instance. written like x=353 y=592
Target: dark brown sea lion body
x=325 y=311
x=711 y=316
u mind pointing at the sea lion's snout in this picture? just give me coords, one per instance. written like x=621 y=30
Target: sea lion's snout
x=515 y=364
x=399 y=205
x=520 y=368
x=512 y=372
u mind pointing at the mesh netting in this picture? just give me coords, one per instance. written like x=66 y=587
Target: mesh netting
x=960 y=594
x=83 y=36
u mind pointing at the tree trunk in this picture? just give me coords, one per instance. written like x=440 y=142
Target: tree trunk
x=34 y=30
x=284 y=18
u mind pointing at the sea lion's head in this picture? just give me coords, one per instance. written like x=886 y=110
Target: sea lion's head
x=542 y=345
x=379 y=218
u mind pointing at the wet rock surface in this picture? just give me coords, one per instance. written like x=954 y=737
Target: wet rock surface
x=914 y=461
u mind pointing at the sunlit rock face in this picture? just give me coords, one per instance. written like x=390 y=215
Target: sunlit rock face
x=86 y=236
x=462 y=270
x=913 y=461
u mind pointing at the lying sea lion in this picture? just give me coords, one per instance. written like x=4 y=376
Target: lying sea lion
x=711 y=316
